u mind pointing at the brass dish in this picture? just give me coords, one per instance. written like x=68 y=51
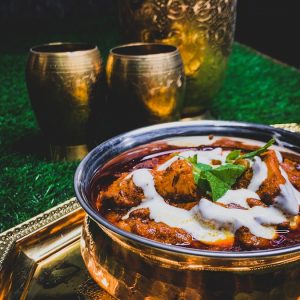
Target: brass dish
x=129 y=266
x=49 y=244
x=128 y=272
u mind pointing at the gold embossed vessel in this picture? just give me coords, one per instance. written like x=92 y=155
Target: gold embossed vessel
x=146 y=85
x=201 y=29
x=64 y=83
x=129 y=266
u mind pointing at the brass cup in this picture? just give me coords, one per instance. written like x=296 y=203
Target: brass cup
x=64 y=82
x=146 y=84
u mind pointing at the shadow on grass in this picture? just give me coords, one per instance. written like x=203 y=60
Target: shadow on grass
x=34 y=144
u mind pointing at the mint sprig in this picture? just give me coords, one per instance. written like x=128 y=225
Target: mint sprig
x=233 y=155
x=236 y=154
x=215 y=181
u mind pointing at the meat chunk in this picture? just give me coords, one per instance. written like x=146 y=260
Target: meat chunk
x=161 y=232
x=176 y=182
x=250 y=241
x=184 y=205
x=269 y=189
x=244 y=181
x=255 y=202
x=142 y=213
x=293 y=171
x=121 y=193
x=140 y=223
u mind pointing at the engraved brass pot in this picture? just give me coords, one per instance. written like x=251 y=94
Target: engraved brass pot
x=129 y=266
x=64 y=81
x=201 y=29
x=146 y=85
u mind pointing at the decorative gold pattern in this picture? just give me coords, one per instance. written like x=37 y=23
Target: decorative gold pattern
x=293 y=127
x=201 y=29
x=9 y=237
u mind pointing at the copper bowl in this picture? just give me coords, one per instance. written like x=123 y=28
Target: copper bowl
x=130 y=266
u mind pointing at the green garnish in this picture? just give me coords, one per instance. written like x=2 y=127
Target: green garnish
x=215 y=181
x=233 y=155
x=197 y=167
x=236 y=154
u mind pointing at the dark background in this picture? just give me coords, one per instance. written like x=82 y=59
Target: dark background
x=270 y=26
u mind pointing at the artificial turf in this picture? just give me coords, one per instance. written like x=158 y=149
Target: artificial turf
x=256 y=89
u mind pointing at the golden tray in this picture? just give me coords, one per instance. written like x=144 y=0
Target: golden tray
x=40 y=258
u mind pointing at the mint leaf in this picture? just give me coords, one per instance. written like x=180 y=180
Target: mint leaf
x=215 y=181
x=233 y=155
x=197 y=167
x=236 y=154
x=218 y=181
x=203 y=183
x=258 y=151
x=203 y=167
x=192 y=159
x=200 y=169
x=229 y=173
x=218 y=187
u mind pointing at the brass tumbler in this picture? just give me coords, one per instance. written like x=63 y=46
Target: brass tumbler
x=146 y=85
x=64 y=82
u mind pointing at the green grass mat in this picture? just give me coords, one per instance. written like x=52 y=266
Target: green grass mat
x=256 y=89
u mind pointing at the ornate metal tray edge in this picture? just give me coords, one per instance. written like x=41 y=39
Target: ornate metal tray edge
x=10 y=237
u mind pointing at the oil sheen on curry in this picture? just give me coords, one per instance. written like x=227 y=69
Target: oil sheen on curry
x=226 y=195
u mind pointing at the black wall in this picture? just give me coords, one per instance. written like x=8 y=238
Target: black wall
x=270 y=26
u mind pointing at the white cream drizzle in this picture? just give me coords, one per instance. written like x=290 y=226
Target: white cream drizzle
x=233 y=219
x=182 y=155
x=289 y=198
x=204 y=157
x=160 y=211
x=279 y=156
x=209 y=222
x=260 y=173
x=239 y=197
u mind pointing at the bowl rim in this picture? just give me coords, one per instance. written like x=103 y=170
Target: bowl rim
x=173 y=51
x=80 y=48
x=173 y=248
